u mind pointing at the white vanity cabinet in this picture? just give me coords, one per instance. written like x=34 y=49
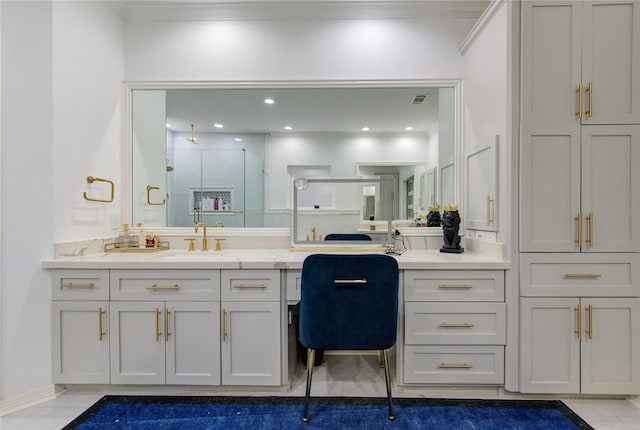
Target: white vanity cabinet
x=80 y=326
x=453 y=327
x=251 y=327
x=165 y=327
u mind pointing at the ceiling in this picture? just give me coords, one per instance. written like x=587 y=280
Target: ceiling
x=345 y=110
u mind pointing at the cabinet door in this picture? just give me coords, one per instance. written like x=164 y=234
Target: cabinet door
x=611 y=62
x=481 y=190
x=251 y=343
x=137 y=343
x=611 y=346
x=80 y=341
x=611 y=188
x=192 y=336
x=549 y=345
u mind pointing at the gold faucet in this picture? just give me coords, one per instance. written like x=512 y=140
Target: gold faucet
x=205 y=247
x=313 y=233
x=218 y=224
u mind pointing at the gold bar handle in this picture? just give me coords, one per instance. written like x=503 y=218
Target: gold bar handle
x=455 y=366
x=582 y=275
x=91 y=180
x=590 y=222
x=250 y=286
x=589 y=331
x=166 y=324
x=579 y=92
x=458 y=325
x=158 y=325
x=579 y=239
x=589 y=90
x=77 y=285
x=163 y=287
x=579 y=318
x=100 y=332
x=350 y=281
x=223 y=324
x=455 y=287
x=149 y=202
x=489 y=219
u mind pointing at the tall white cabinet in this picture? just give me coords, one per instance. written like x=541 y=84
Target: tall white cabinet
x=580 y=197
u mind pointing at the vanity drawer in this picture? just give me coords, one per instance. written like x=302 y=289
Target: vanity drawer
x=454 y=364
x=593 y=275
x=454 y=285
x=250 y=285
x=151 y=284
x=80 y=284
x=455 y=323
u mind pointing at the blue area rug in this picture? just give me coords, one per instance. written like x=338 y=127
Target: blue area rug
x=205 y=412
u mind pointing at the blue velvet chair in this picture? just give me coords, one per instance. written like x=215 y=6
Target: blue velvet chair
x=348 y=302
x=347 y=236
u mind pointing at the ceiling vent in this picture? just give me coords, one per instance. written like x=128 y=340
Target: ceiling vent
x=419 y=99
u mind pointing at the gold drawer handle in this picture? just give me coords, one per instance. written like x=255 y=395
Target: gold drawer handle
x=250 y=286
x=455 y=366
x=455 y=287
x=163 y=287
x=463 y=325
x=101 y=333
x=582 y=275
x=350 y=281
x=77 y=285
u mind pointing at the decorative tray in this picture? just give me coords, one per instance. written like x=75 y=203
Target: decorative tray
x=127 y=247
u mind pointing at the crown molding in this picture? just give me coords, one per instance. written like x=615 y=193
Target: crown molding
x=480 y=25
x=289 y=10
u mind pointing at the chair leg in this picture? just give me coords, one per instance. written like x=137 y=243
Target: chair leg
x=381 y=359
x=311 y=358
x=387 y=377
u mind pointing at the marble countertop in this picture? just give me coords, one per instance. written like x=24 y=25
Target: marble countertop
x=260 y=259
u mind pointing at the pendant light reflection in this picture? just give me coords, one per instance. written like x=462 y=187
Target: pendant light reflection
x=192 y=139
x=301 y=183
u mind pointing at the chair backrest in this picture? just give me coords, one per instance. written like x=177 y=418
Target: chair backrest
x=349 y=301
x=347 y=236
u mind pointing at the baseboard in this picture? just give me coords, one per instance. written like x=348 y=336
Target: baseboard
x=30 y=398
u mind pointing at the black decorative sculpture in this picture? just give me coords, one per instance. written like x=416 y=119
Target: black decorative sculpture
x=450 y=227
x=433 y=217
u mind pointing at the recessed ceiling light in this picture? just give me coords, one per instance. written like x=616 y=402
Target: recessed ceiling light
x=409 y=128
x=237 y=139
x=365 y=128
x=288 y=127
x=218 y=125
x=167 y=125
x=269 y=101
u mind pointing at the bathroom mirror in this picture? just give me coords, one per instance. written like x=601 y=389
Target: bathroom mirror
x=247 y=141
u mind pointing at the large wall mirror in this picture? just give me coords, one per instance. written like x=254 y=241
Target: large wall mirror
x=227 y=155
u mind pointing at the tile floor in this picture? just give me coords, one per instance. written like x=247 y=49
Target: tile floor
x=339 y=375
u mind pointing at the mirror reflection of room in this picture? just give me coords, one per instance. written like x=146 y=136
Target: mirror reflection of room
x=225 y=157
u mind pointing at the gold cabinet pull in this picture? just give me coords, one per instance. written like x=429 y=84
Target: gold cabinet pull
x=77 y=285
x=91 y=180
x=579 y=239
x=350 y=281
x=166 y=324
x=589 y=330
x=590 y=222
x=455 y=366
x=250 y=286
x=163 y=287
x=158 y=325
x=100 y=332
x=589 y=90
x=457 y=325
x=223 y=325
x=579 y=92
x=489 y=219
x=149 y=202
x=455 y=287
x=579 y=324
x=582 y=275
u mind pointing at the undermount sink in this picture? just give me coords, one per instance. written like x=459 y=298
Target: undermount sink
x=196 y=255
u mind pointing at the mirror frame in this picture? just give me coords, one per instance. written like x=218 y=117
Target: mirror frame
x=127 y=144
